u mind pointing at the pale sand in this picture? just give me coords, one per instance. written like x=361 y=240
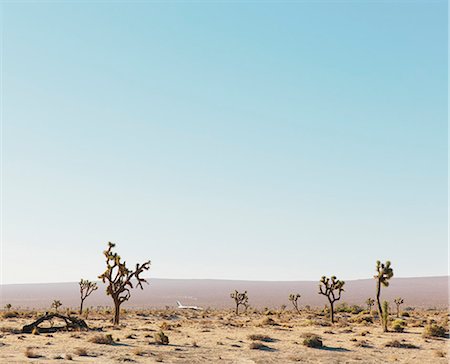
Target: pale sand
x=222 y=337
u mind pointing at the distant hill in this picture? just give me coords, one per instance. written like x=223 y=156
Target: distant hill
x=417 y=292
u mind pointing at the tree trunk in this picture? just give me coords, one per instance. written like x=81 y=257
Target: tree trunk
x=116 y=312
x=81 y=307
x=398 y=310
x=237 y=309
x=380 y=310
x=332 y=311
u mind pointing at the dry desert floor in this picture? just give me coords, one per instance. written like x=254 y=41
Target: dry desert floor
x=220 y=336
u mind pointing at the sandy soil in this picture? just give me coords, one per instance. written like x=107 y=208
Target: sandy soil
x=223 y=337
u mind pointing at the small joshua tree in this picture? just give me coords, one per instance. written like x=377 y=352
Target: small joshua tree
x=398 y=301
x=56 y=304
x=385 y=316
x=119 y=277
x=240 y=299
x=86 y=288
x=384 y=274
x=293 y=297
x=332 y=289
x=370 y=302
x=8 y=306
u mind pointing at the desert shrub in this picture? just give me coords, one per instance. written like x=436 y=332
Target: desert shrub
x=258 y=346
x=434 y=330
x=259 y=337
x=80 y=352
x=401 y=345
x=268 y=321
x=362 y=318
x=161 y=338
x=102 y=339
x=29 y=353
x=10 y=314
x=398 y=325
x=344 y=307
x=405 y=314
x=312 y=340
x=68 y=357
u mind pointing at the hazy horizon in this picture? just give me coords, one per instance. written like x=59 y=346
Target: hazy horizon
x=246 y=141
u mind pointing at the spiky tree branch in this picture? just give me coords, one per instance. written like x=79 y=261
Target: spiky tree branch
x=240 y=299
x=119 y=279
x=332 y=288
x=86 y=288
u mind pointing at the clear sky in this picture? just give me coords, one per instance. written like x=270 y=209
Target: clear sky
x=241 y=140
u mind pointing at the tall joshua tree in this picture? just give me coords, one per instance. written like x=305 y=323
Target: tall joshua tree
x=370 y=302
x=119 y=279
x=332 y=289
x=398 y=301
x=293 y=297
x=240 y=299
x=86 y=288
x=384 y=274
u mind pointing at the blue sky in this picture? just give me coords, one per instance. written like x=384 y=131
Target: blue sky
x=256 y=140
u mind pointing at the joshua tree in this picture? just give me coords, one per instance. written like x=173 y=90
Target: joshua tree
x=384 y=273
x=370 y=302
x=294 y=299
x=8 y=306
x=86 y=288
x=240 y=299
x=330 y=287
x=119 y=277
x=56 y=304
x=398 y=301
x=385 y=316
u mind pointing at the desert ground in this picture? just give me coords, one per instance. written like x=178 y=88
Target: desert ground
x=221 y=336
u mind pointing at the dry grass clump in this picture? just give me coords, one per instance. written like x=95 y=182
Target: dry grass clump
x=161 y=338
x=398 y=325
x=260 y=337
x=68 y=357
x=10 y=314
x=102 y=339
x=267 y=321
x=312 y=340
x=259 y=346
x=80 y=352
x=29 y=353
x=434 y=330
x=401 y=345
x=139 y=352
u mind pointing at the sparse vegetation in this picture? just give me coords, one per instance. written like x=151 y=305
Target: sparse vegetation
x=102 y=339
x=434 y=330
x=119 y=279
x=260 y=337
x=312 y=340
x=401 y=345
x=161 y=338
x=398 y=325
